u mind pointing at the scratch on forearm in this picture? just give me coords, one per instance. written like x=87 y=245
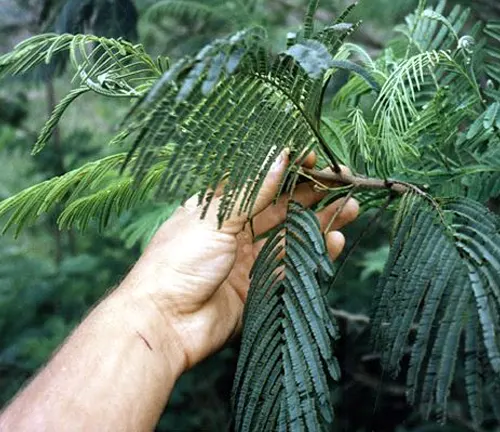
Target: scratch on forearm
x=145 y=341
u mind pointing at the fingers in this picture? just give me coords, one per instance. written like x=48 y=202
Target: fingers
x=305 y=193
x=310 y=160
x=265 y=197
x=335 y=242
x=348 y=214
x=266 y=216
x=273 y=215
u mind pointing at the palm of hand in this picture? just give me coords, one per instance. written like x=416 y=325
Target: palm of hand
x=206 y=301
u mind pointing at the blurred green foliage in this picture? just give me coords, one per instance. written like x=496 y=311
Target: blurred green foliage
x=49 y=279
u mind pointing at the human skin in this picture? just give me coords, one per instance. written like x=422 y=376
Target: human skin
x=181 y=302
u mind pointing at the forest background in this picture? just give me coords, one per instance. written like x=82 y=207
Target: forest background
x=50 y=278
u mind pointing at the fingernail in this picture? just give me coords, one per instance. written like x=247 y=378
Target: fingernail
x=276 y=166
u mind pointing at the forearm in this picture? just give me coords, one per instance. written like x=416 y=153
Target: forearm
x=115 y=372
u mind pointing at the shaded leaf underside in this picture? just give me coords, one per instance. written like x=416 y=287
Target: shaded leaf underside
x=442 y=282
x=286 y=360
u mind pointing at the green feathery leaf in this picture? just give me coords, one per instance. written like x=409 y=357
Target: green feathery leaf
x=29 y=204
x=93 y=192
x=444 y=258
x=191 y=10
x=286 y=359
x=309 y=18
x=110 y=64
x=231 y=109
x=56 y=115
x=492 y=31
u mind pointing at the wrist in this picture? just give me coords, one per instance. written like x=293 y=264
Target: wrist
x=142 y=317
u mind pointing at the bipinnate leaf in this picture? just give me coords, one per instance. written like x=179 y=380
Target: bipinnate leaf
x=229 y=111
x=286 y=362
x=441 y=284
x=224 y=114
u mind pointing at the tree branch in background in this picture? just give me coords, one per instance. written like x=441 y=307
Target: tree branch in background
x=350 y=317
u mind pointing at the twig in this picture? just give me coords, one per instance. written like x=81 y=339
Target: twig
x=362 y=319
x=350 y=317
x=387 y=388
x=340 y=210
x=360 y=182
x=368 y=228
x=320 y=187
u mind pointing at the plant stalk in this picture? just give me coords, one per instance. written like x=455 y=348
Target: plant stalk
x=359 y=182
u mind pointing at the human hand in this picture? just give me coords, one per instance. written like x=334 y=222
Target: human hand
x=197 y=275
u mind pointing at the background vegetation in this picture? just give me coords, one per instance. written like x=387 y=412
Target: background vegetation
x=50 y=278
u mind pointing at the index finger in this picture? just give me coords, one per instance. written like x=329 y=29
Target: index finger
x=305 y=193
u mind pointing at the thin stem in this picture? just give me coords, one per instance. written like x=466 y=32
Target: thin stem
x=420 y=11
x=360 y=182
x=59 y=167
x=350 y=317
x=324 y=145
x=378 y=385
x=340 y=209
x=320 y=187
x=368 y=228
